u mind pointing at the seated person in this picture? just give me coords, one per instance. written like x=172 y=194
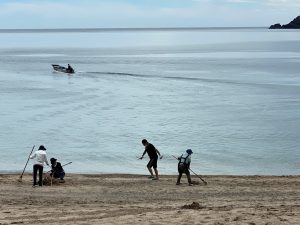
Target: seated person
x=56 y=169
x=70 y=69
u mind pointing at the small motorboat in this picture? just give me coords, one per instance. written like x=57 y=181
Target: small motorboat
x=63 y=69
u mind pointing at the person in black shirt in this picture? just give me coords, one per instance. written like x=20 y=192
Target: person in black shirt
x=153 y=155
x=56 y=169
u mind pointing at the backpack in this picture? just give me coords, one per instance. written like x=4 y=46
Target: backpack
x=184 y=161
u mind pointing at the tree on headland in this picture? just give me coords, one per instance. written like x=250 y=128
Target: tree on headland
x=295 y=24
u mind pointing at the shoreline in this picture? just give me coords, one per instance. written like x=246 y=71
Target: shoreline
x=161 y=175
x=134 y=199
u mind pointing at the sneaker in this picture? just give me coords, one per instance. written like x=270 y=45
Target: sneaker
x=177 y=183
x=34 y=186
x=155 y=178
x=150 y=177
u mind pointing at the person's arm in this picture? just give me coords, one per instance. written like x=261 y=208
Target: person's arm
x=189 y=162
x=59 y=167
x=46 y=160
x=160 y=156
x=143 y=154
x=33 y=155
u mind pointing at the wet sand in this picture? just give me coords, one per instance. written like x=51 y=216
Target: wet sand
x=134 y=199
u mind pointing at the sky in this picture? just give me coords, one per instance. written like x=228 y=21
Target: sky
x=26 y=14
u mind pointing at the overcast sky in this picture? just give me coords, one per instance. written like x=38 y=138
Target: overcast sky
x=145 y=13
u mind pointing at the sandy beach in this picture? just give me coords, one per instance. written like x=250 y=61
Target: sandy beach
x=134 y=199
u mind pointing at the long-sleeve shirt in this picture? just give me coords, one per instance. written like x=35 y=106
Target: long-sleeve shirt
x=40 y=157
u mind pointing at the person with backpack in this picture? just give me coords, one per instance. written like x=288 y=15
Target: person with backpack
x=184 y=166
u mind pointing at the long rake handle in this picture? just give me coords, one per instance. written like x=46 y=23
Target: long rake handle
x=198 y=176
x=193 y=172
x=61 y=166
x=66 y=164
x=27 y=162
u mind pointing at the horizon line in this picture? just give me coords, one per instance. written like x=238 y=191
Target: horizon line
x=116 y=29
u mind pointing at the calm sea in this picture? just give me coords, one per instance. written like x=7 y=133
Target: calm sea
x=231 y=95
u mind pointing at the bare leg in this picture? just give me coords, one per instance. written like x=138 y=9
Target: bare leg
x=156 y=173
x=150 y=170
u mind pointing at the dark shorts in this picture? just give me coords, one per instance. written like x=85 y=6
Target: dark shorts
x=152 y=163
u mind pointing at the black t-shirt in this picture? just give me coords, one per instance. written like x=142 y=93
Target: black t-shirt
x=151 y=151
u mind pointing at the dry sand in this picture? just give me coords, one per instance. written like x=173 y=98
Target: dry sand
x=133 y=199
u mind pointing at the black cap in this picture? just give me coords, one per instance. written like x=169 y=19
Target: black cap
x=53 y=160
x=42 y=147
x=189 y=151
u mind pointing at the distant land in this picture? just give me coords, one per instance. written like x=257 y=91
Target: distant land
x=295 y=24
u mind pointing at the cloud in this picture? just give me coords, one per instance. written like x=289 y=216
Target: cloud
x=241 y=1
x=283 y=3
x=72 y=15
x=64 y=9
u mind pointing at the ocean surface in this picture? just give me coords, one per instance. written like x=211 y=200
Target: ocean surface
x=231 y=95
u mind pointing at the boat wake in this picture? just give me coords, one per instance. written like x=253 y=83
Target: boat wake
x=182 y=78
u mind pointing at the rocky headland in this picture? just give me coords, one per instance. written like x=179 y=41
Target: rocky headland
x=295 y=24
